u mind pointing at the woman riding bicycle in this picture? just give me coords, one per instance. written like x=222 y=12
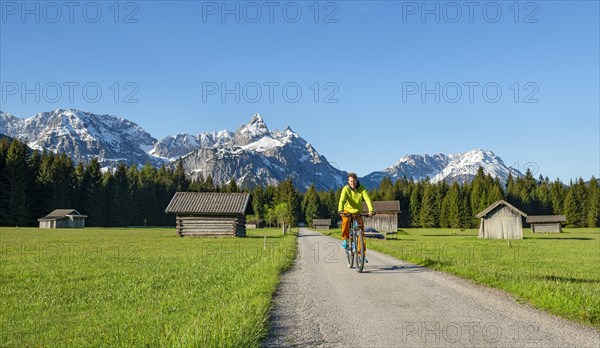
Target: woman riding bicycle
x=351 y=203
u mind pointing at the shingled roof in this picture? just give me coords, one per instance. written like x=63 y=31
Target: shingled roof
x=210 y=203
x=60 y=214
x=496 y=204
x=383 y=206
x=546 y=218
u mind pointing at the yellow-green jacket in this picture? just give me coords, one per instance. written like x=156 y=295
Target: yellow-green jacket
x=351 y=200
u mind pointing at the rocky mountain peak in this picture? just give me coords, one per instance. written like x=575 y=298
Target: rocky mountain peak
x=251 y=132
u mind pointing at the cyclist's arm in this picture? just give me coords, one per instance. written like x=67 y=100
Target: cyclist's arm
x=342 y=199
x=367 y=199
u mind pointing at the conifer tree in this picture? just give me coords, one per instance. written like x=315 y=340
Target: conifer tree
x=182 y=183
x=311 y=205
x=429 y=214
x=209 y=186
x=232 y=186
x=90 y=192
x=287 y=193
x=574 y=204
x=15 y=184
x=450 y=214
x=557 y=196
x=466 y=214
x=593 y=204
x=331 y=205
x=258 y=202
x=478 y=195
x=35 y=191
x=386 y=189
x=415 y=205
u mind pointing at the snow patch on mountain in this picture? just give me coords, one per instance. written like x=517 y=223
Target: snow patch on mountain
x=263 y=144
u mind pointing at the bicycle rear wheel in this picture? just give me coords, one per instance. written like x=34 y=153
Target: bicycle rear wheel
x=360 y=251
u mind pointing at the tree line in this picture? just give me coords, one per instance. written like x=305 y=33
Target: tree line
x=34 y=183
x=454 y=205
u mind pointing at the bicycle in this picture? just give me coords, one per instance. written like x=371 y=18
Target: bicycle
x=356 y=246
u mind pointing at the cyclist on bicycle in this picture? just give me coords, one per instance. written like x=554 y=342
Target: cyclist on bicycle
x=351 y=203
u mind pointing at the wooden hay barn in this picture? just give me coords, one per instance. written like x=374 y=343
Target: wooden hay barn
x=546 y=223
x=210 y=214
x=386 y=216
x=63 y=218
x=255 y=224
x=321 y=224
x=501 y=220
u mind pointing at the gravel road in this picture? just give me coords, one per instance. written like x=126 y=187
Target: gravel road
x=322 y=303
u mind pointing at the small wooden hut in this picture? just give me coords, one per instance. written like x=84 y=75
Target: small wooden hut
x=254 y=224
x=321 y=224
x=546 y=223
x=501 y=220
x=386 y=216
x=63 y=218
x=210 y=214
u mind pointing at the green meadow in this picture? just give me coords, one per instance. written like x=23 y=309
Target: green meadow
x=555 y=272
x=137 y=287
x=148 y=287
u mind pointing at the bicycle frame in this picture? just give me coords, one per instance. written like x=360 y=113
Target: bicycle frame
x=355 y=249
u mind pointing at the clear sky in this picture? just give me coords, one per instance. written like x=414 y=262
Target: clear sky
x=365 y=82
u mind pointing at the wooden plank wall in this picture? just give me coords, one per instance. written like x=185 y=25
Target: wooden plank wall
x=502 y=223
x=382 y=222
x=551 y=227
x=211 y=226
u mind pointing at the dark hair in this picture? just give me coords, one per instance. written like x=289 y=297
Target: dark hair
x=352 y=175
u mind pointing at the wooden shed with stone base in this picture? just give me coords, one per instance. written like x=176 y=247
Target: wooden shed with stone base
x=210 y=214
x=546 y=223
x=501 y=220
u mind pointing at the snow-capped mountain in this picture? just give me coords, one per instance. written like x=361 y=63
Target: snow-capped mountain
x=416 y=166
x=82 y=135
x=463 y=167
x=439 y=167
x=251 y=155
x=255 y=155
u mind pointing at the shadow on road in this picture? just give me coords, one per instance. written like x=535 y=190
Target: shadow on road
x=319 y=235
x=397 y=269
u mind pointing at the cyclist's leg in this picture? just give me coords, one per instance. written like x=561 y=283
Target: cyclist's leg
x=345 y=226
x=361 y=224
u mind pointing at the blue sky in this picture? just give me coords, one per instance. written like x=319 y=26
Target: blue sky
x=369 y=73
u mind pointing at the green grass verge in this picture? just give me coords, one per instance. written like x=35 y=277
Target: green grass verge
x=556 y=272
x=137 y=287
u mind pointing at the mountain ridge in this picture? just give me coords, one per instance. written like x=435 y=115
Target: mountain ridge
x=83 y=135
x=252 y=155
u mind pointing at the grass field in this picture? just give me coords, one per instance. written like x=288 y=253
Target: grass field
x=137 y=287
x=559 y=273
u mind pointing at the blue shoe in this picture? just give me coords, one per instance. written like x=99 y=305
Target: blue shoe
x=366 y=261
x=344 y=244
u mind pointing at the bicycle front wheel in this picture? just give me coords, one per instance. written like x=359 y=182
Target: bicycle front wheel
x=360 y=251
x=350 y=253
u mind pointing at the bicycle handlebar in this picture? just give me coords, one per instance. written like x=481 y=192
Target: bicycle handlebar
x=355 y=215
